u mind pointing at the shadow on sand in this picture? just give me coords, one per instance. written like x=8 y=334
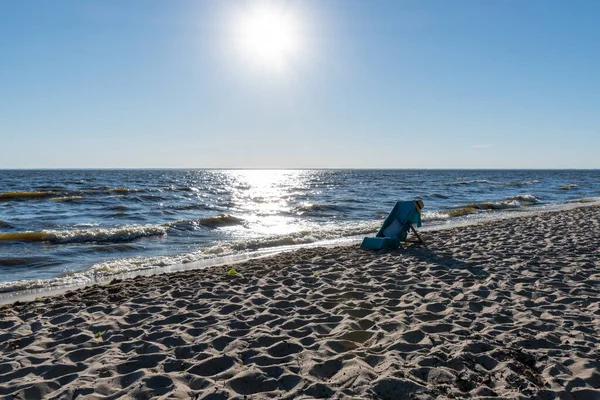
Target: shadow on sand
x=440 y=259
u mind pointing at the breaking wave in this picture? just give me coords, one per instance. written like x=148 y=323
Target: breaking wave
x=524 y=198
x=568 y=187
x=437 y=196
x=67 y=198
x=312 y=208
x=4 y=224
x=224 y=249
x=124 y=190
x=523 y=183
x=25 y=195
x=470 y=182
x=219 y=221
x=121 y=234
x=59 y=193
x=207 y=214
x=513 y=202
x=429 y=216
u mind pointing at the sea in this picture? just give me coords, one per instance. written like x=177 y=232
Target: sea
x=65 y=228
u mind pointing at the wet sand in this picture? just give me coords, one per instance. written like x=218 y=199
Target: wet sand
x=507 y=308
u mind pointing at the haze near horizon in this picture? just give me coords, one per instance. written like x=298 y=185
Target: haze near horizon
x=299 y=84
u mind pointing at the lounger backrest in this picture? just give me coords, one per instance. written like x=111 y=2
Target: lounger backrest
x=395 y=225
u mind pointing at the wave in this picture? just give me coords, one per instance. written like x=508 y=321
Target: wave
x=66 y=198
x=124 y=190
x=327 y=234
x=152 y=197
x=568 y=187
x=184 y=207
x=523 y=183
x=583 y=200
x=121 y=234
x=436 y=196
x=25 y=195
x=117 y=215
x=62 y=194
x=512 y=202
x=483 y=206
x=460 y=183
x=429 y=216
x=49 y=188
x=87 y=224
x=219 y=221
x=524 y=198
x=225 y=249
x=306 y=236
x=496 y=205
x=311 y=208
x=28 y=262
x=299 y=189
x=4 y=224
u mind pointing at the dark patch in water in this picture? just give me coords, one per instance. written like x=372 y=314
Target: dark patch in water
x=25 y=195
x=28 y=262
x=118 y=215
x=49 y=188
x=524 y=183
x=483 y=206
x=112 y=248
x=319 y=207
x=151 y=197
x=6 y=225
x=220 y=220
x=183 y=207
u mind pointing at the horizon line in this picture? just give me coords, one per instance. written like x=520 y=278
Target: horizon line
x=286 y=169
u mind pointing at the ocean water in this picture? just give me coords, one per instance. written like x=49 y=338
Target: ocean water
x=64 y=227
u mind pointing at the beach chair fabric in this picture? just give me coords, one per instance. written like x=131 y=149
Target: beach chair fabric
x=404 y=216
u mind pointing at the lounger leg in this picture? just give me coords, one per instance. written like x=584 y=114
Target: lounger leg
x=417 y=234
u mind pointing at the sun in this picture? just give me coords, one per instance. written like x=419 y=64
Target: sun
x=269 y=36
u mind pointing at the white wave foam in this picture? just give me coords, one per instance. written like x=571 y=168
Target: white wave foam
x=523 y=183
x=224 y=249
x=528 y=198
x=499 y=205
x=106 y=234
x=235 y=251
x=434 y=216
x=119 y=234
x=569 y=186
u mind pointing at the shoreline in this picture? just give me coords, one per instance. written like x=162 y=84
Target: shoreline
x=503 y=308
x=88 y=277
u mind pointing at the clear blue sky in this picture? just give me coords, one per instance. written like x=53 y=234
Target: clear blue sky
x=400 y=84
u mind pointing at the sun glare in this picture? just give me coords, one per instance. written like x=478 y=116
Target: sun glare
x=269 y=36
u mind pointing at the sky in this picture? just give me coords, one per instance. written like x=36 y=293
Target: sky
x=332 y=84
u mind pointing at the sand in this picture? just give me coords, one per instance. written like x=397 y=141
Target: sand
x=508 y=308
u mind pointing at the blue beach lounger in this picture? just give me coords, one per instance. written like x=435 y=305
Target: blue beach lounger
x=404 y=216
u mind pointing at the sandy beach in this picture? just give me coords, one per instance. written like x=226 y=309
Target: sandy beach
x=506 y=309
